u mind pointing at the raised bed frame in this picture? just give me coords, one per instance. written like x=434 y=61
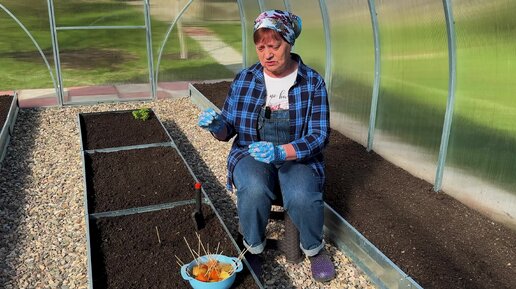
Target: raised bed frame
x=137 y=210
x=378 y=267
x=8 y=127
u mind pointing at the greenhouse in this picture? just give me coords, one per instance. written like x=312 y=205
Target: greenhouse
x=108 y=179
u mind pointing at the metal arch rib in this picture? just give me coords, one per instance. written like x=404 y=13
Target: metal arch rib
x=450 y=103
x=33 y=41
x=166 y=38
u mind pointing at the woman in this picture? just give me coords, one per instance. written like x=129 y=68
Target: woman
x=278 y=111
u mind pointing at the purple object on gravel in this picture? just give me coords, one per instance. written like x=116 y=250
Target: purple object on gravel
x=322 y=267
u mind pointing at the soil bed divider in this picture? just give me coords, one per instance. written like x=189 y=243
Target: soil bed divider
x=144 y=209
x=8 y=127
x=378 y=267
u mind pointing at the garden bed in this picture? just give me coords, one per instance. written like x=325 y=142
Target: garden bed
x=139 y=250
x=136 y=178
x=432 y=237
x=139 y=199
x=8 y=113
x=98 y=133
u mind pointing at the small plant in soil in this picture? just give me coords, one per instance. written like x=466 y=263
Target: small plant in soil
x=141 y=114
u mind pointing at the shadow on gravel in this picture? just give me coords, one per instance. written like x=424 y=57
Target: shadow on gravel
x=221 y=199
x=15 y=179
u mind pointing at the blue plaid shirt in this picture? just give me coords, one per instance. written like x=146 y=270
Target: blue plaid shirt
x=309 y=116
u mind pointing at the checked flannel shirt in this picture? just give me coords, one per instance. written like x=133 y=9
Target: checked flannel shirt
x=309 y=116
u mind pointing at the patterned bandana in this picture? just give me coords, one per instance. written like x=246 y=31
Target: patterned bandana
x=284 y=22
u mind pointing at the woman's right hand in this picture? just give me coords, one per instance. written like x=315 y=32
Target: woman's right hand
x=210 y=120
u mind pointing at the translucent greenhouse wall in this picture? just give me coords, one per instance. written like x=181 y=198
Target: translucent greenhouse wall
x=414 y=84
x=481 y=160
x=427 y=84
x=352 y=69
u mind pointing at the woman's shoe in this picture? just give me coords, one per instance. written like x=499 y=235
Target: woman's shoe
x=322 y=267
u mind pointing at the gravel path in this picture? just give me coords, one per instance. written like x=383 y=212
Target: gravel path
x=42 y=228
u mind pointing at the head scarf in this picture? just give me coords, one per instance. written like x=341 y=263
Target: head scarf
x=287 y=24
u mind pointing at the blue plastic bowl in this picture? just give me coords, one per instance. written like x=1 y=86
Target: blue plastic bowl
x=224 y=284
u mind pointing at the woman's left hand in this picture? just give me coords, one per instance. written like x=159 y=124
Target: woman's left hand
x=266 y=152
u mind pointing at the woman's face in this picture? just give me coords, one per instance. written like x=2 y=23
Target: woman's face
x=274 y=55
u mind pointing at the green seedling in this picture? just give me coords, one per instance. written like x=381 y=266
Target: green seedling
x=141 y=114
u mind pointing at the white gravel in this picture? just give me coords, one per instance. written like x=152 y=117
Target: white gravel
x=42 y=218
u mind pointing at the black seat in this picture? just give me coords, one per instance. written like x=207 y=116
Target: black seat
x=289 y=245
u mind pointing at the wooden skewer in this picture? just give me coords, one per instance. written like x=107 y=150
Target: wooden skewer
x=217 y=250
x=179 y=260
x=157 y=232
x=191 y=251
x=240 y=257
x=200 y=243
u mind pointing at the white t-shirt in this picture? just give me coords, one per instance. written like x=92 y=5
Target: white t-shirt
x=277 y=90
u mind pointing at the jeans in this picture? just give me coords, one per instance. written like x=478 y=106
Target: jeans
x=302 y=193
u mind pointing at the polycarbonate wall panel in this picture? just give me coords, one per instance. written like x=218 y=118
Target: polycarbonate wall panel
x=197 y=48
x=311 y=44
x=98 y=13
x=275 y=4
x=352 y=67
x=102 y=50
x=414 y=84
x=102 y=57
x=482 y=151
x=22 y=65
x=251 y=10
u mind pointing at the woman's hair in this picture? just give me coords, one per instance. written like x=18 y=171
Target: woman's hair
x=266 y=33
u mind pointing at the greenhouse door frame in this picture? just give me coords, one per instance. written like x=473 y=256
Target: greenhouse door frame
x=55 y=48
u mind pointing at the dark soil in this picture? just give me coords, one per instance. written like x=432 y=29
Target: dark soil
x=135 y=178
x=5 y=105
x=432 y=237
x=98 y=132
x=126 y=251
x=215 y=92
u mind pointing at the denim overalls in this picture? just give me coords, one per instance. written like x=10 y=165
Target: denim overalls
x=302 y=194
x=274 y=126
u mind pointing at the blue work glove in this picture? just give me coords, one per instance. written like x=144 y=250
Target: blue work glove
x=266 y=152
x=210 y=120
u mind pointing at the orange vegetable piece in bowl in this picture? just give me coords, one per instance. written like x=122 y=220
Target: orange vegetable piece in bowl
x=214 y=275
x=199 y=270
x=202 y=278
